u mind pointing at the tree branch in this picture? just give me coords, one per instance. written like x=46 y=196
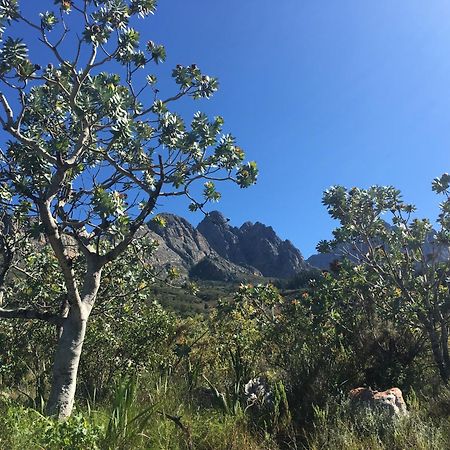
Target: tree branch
x=54 y=237
x=138 y=222
x=29 y=314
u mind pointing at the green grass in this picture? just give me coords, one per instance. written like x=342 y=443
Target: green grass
x=425 y=428
x=158 y=415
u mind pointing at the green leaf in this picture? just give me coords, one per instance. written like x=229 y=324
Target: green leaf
x=13 y=53
x=160 y=221
x=441 y=184
x=143 y=7
x=247 y=174
x=158 y=54
x=210 y=193
x=48 y=20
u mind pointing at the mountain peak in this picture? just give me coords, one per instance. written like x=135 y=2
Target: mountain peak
x=217 y=218
x=217 y=250
x=252 y=245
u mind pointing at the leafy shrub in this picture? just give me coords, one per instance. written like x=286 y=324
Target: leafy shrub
x=26 y=428
x=138 y=338
x=76 y=433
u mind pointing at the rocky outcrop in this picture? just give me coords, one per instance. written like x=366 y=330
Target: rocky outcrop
x=252 y=245
x=390 y=401
x=184 y=247
x=182 y=238
x=164 y=257
x=322 y=261
x=222 y=237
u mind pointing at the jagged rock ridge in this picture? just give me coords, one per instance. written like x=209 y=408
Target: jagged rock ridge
x=184 y=247
x=182 y=238
x=252 y=245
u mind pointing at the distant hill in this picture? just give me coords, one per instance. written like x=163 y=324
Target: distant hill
x=433 y=250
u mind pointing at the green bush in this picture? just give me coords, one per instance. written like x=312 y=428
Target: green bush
x=77 y=433
x=22 y=428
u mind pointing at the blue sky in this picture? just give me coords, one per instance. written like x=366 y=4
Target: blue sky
x=319 y=93
x=345 y=92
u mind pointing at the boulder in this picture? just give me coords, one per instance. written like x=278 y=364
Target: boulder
x=390 y=400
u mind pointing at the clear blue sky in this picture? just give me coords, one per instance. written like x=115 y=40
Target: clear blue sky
x=319 y=93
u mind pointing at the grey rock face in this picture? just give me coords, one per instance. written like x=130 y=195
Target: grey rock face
x=323 y=260
x=222 y=237
x=184 y=247
x=252 y=245
x=183 y=239
x=434 y=250
x=164 y=257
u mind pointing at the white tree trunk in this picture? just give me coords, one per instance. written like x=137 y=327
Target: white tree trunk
x=65 y=368
x=68 y=352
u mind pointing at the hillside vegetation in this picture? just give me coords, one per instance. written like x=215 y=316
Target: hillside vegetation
x=151 y=379
x=173 y=363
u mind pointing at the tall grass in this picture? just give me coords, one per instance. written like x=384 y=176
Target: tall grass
x=158 y=415
x=127 y=422
x=337 y=427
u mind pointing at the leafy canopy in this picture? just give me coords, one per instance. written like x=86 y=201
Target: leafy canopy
x=401 y=264
x=85 y=140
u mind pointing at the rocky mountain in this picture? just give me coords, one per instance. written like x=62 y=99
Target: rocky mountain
x=323 y=261
x=252 y=246
x=184 y=247
x=218 y=251
x=182 y=239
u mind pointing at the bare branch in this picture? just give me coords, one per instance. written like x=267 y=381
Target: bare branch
x=8 y=110
x=65 y=262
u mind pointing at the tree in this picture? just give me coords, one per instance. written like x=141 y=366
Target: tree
x=404 y=265
x=128 y=331
x=88 y=158
x=378 y=339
